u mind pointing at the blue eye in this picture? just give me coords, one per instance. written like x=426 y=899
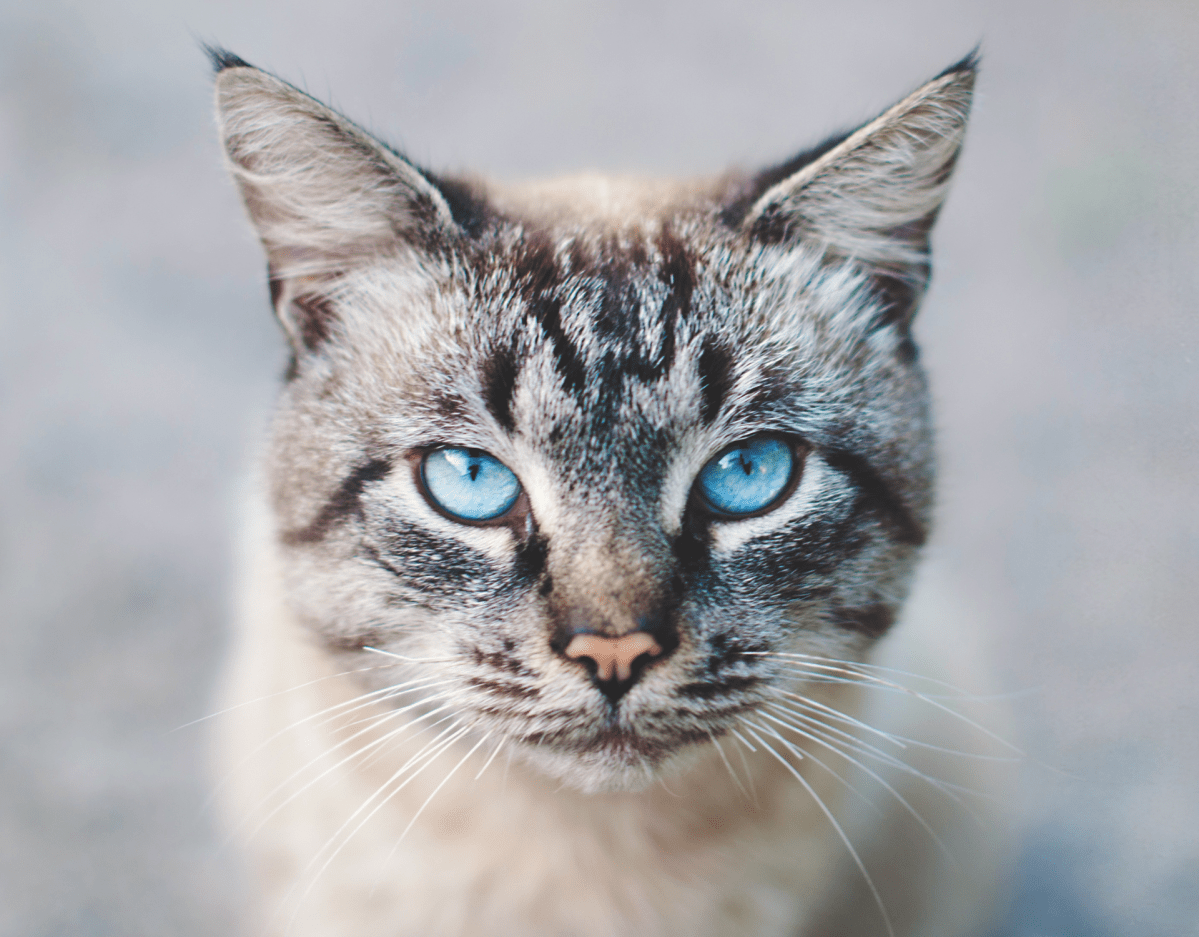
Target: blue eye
x=469 y=484
x=748 y=476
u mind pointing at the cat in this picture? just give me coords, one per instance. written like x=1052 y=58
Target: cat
x=584 y=526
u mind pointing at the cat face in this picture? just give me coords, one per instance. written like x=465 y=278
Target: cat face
x=589 y=455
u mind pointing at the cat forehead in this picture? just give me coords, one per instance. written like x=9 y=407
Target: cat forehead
x=589 y=326
x=594 y=334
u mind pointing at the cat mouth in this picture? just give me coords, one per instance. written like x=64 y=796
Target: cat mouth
x=619 y=742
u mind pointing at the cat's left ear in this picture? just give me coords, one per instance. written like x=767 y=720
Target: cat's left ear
x=874 y=195
x=324 y=195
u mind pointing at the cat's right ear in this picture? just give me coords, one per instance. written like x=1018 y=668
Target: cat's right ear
x=324 y=195
x=871 y=196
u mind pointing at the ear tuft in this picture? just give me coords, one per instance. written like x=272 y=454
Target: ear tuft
x=221 y=58
x=967 y=63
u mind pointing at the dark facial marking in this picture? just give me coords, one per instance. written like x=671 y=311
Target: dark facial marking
x=899 y=296
x=446 y=568
x=530 y=557
x=690 y=547
x=538 y=278
x=499 y=383
x=872 y=621
x=715 y=378
x=505 y=660
x=727 y=650
x=504 y=688
x=313 y=315
x=709 y=689
x=677 y=273
x=892 y=511
x=344 y=502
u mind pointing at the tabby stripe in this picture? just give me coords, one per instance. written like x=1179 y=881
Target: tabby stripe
x=715 y=378
x=504 y=688
x=499 y=384
x=873 y=621
x=345 y=501
x=895 y=514
x=548 y=313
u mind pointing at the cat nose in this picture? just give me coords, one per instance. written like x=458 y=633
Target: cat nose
x=618 y=661
x=613 y=657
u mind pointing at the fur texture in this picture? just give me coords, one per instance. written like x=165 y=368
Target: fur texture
x=603 y=339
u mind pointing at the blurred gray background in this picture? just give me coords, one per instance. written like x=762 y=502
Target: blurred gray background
x=138 y=359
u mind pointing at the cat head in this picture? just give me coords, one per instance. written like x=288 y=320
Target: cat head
x=595 y=451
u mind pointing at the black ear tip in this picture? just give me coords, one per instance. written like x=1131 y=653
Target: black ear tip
x=222 y=58
x=968 y=63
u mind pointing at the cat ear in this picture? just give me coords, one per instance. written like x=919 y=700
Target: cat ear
x=873 y=195
x=323 y=194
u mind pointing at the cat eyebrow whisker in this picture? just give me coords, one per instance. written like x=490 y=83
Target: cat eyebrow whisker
x=878 y=900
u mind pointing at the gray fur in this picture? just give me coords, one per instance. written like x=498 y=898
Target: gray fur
x=603 y=338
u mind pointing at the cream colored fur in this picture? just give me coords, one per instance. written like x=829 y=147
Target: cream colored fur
x=885 y=824
x=514 y=854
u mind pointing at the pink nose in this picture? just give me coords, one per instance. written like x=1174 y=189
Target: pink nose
x=612 y=656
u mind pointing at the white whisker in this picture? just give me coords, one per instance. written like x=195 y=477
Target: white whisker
x=409 y=660
x=361 y=701
x=741 y=739
x=862 y=747
x=862 y=666
x=491 y=758
x=804 y=754
x=389 y=736
x=421 y=809
x=429 y=754
x=869 y=680
x=878 y=900
x=728 y=765
x=269 y=696
x=814 y=736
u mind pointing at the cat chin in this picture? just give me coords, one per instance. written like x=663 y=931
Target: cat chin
x=607 y=770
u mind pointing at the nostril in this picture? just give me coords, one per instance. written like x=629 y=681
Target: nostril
x=613 y=657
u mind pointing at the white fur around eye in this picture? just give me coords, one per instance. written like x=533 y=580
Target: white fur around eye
x=817 y=491
x=404 y=500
